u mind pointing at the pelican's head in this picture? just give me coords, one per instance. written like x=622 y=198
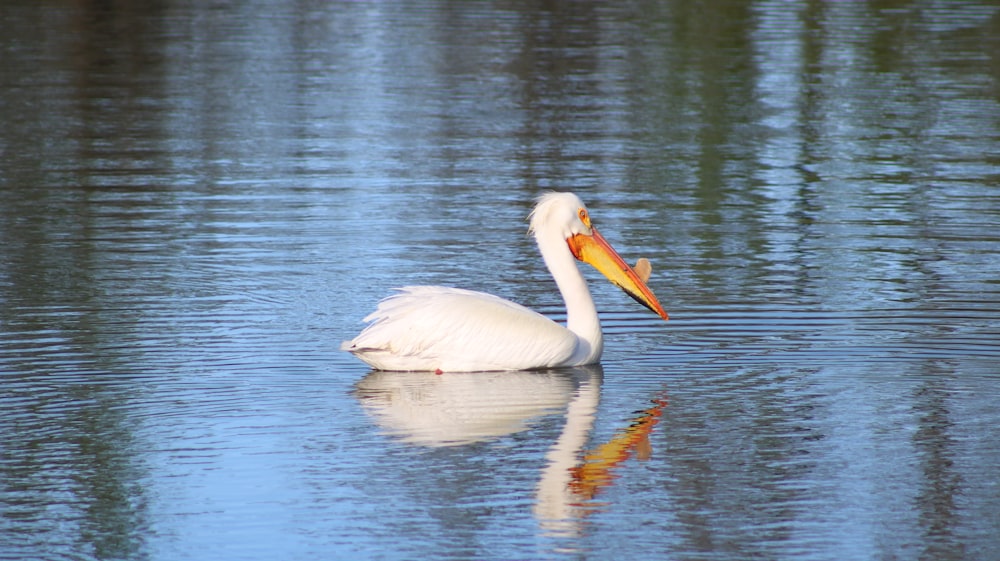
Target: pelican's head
x=566 y=214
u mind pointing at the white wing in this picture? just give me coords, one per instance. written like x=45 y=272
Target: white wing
x=450 y=329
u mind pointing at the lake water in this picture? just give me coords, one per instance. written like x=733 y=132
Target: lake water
x=200 y=200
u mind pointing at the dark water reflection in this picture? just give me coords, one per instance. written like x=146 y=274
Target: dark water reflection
x=199 y=202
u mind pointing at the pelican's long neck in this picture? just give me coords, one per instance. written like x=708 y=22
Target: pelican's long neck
x=581 y=314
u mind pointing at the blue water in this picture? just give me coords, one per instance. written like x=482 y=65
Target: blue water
x=199 y=202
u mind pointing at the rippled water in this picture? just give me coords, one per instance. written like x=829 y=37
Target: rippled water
x=199 y=202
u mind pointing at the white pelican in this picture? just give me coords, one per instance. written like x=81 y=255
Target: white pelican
x=436 y=328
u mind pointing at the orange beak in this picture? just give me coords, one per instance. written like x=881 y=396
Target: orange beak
x=595 y=250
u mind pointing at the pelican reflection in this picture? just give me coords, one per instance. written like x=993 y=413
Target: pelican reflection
x=454 y=409
x=459 y=408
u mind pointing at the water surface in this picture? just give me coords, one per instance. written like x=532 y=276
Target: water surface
x=199 y=202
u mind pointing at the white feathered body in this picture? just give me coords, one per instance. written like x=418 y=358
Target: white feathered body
x=451 y=329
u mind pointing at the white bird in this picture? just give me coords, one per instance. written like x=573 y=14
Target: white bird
x=436 y=328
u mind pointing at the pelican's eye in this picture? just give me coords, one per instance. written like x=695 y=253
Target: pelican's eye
x=584 y=217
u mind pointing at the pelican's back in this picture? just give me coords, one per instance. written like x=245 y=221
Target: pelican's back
x=450 y=329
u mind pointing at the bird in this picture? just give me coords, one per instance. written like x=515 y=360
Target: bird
x=444 y=329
